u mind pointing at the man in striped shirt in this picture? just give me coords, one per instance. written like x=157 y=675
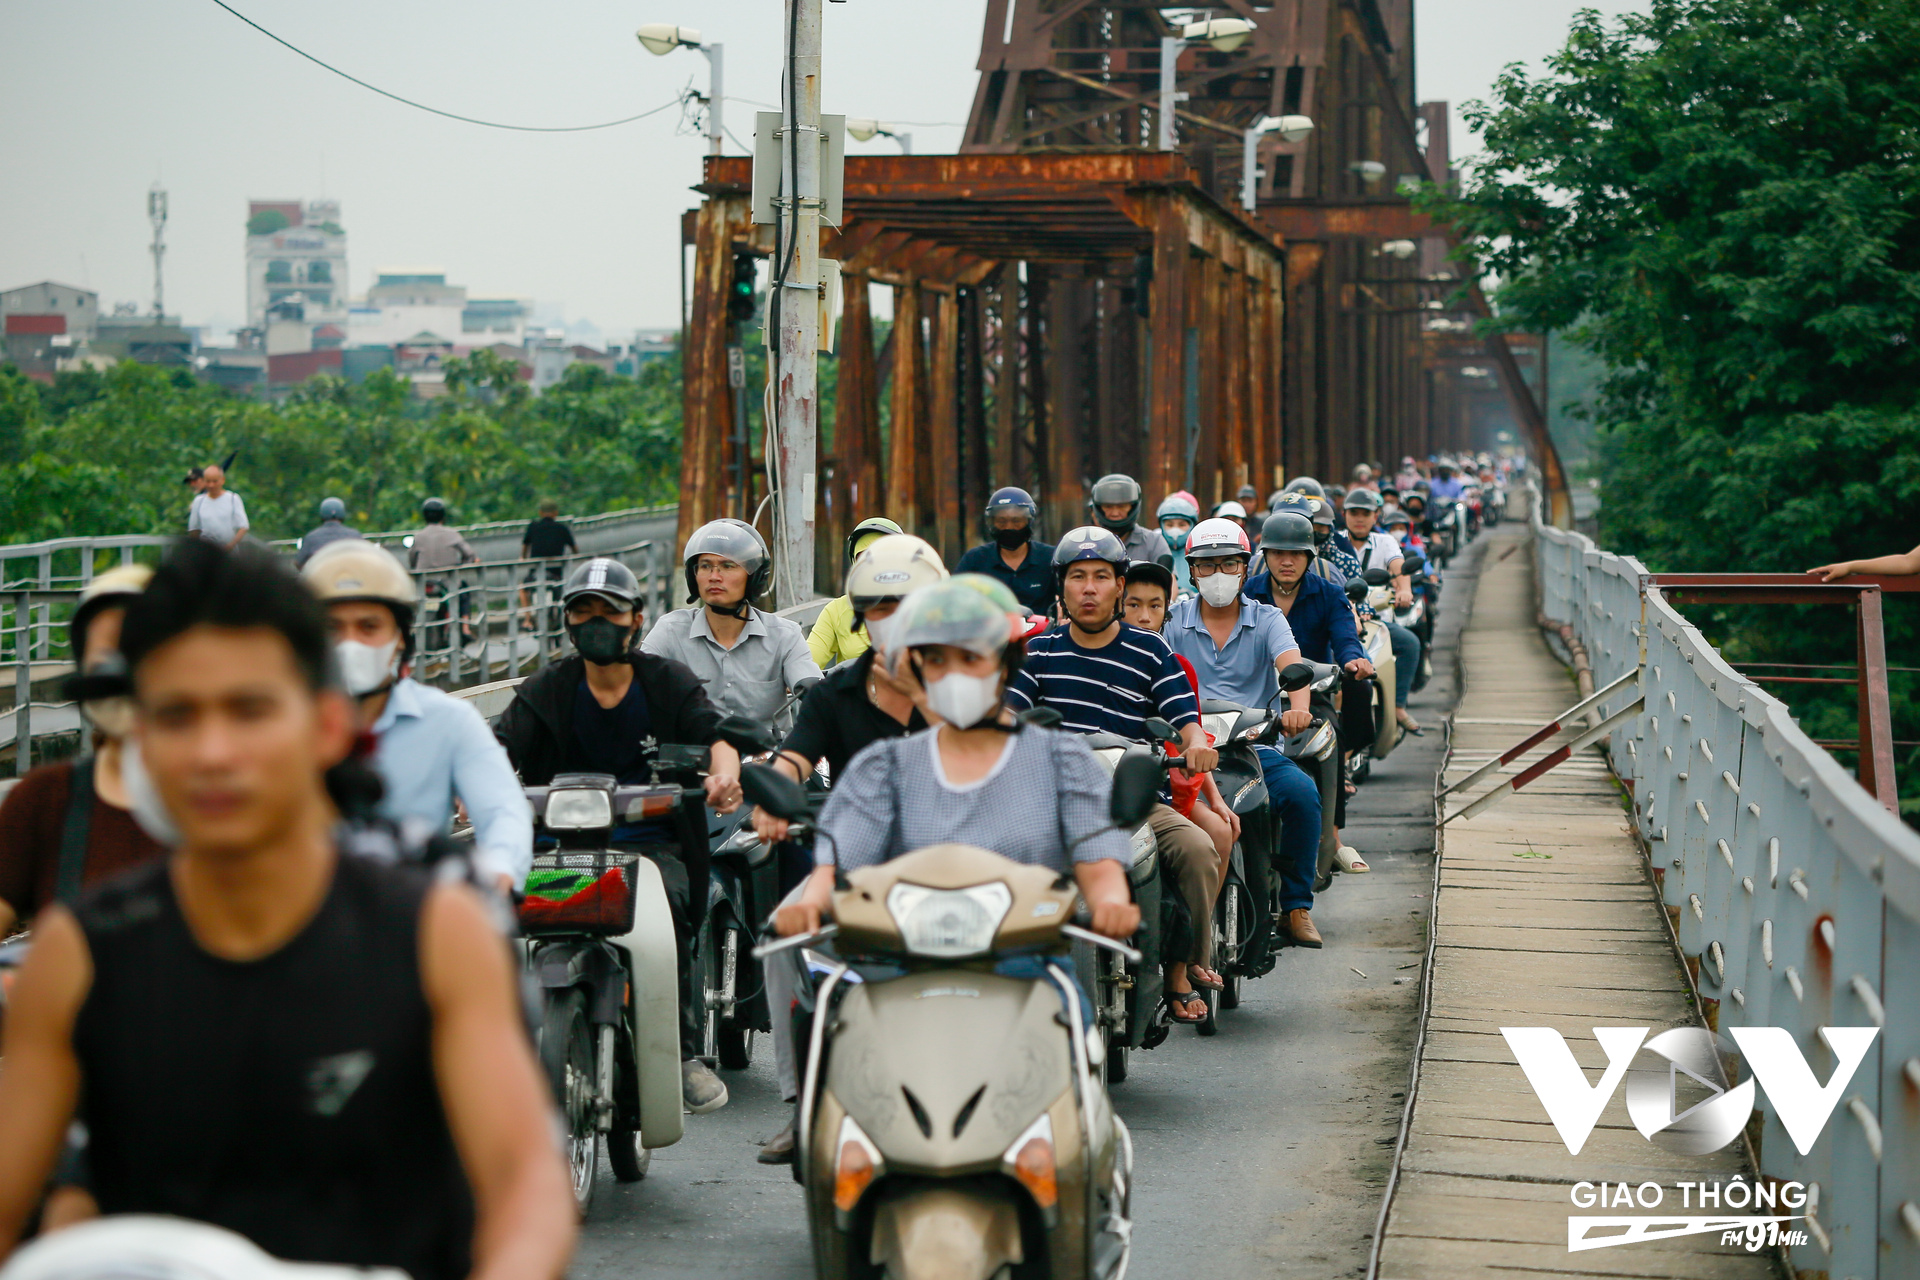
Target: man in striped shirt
x=1104 y=676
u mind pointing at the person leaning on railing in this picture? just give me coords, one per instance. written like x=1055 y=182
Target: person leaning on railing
x=1895 y=565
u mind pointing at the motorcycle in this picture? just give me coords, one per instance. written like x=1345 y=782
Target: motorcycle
x=152 y=1247
x=952 y=1123
x=1374 y=589
x=609 y=1030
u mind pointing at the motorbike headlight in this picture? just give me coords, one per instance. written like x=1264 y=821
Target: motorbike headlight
x=579 y=809
x=949 y=922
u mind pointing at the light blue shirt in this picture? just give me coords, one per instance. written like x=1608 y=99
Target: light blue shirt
x=1243 y=671
x=431 y=747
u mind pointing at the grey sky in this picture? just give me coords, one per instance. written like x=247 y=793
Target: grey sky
x=104 y=96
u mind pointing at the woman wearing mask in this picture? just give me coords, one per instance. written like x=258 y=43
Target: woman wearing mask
x=69 y=824
x=1177 y=515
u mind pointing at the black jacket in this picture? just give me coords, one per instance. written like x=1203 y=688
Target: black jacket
x=536 y=728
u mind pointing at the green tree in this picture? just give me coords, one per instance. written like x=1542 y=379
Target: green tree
x=1721 y=200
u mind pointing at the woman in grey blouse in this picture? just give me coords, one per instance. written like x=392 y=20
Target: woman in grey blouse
x=1033 y=795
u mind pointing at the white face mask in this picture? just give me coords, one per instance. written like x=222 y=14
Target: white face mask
x=142 y=800
x=1219 y=589
x=963 y=701
x=880 y=632
x=367 y=668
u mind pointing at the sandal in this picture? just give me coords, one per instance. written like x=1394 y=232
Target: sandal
x=1178 y=1000
x=1206 y=978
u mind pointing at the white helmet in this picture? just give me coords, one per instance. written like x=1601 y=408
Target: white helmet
x=892 y=567
x=1218 y=537
x=1231 y=510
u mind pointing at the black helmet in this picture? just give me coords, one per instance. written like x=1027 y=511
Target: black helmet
x=1363 y=500
x=1316 y=510
x=434 y=509
x=1287 y=530
x=1088 y=542
x=735 y=540
x=332 y=509
x=608 y=579
x=1305 y=484
x=1111 y=491
x=877 y=524
x=1417 y=495
x=1396 y=516
x=1148 y=571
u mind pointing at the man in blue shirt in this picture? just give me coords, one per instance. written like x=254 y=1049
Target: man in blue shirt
x=1445 y=485
x=1015 y=556
x=430 y=747
x=1104 y=676
x=1376 y=550
x=1237 y=648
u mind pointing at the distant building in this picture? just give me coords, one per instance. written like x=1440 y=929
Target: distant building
x=296 y=253
x=145 y=339
x=240 y=370
x=495 y=319
x=50 y=308
x=402 y=302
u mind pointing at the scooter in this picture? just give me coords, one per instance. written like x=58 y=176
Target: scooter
x=1374 y=589
x=610 y=1030
x=152 y=1247
x=952 y=1123
x=733 y=1001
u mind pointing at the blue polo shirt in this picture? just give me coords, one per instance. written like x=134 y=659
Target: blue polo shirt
x=1320 y=618
x=1243 y=671
x=1031 y=583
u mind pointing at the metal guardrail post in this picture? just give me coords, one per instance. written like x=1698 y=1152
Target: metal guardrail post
x=22 y=686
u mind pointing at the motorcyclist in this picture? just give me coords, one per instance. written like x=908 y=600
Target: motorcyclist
x=332 y=528
x=1322 y=619
x=69 y=824
x=1114 y=504
x=1446 y=484
x=1377 y=550
x=213 y=1016
x=1105 y=676
x=1043 y=804
x=430 y=748
x=600 y=711
x=836 y=635
x=1399 y=525
x=1176 y=516
x=747 y=658
x=1014 y=553
x=437 y=546
x=855 y=706
x=1237 y=647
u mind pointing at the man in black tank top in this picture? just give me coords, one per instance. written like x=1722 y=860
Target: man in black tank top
x=318 y=1051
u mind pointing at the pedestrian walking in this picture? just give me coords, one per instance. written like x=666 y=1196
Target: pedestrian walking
x=218 y=514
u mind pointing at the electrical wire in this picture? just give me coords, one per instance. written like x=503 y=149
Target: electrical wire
x=490 y=124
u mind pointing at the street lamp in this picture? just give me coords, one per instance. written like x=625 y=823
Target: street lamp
x=866 y=130
x=1288 y=129
x=1222 y=35
x=662 y=38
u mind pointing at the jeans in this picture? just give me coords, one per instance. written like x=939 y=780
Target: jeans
x=1406 y=660
x=1295 y=798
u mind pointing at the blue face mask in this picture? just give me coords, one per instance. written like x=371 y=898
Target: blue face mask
x=1176 y=540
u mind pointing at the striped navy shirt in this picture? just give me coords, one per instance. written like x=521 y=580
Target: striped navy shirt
x=1107 y=690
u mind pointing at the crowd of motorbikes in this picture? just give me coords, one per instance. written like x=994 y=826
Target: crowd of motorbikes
x=961 y=1031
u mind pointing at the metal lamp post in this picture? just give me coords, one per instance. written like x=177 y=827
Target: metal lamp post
x=662 y=38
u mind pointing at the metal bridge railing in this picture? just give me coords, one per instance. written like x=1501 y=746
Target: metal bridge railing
x=1794 y=894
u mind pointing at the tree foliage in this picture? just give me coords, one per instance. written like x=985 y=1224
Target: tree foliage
x=102 y=453
x=1720 y=198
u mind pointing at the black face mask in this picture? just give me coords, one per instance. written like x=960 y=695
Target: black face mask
x=1011 y=538
x=1118 y=528
x=1322 y=535
x=599 y=640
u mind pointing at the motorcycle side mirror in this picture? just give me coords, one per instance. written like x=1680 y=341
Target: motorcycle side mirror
x=1136 y=789
x=1377 y=577
x=1295 y=676
x=1161 y=730
x=774 y=791
x=1356 y=590
x=747 y=735
x=1045 y=717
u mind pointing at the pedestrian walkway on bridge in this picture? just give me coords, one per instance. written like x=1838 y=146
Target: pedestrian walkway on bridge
x=1543 y=916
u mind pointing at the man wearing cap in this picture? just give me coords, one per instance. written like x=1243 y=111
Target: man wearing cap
x=1014 y=554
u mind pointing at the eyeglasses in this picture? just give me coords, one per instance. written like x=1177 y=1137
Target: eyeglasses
x=1207 y=568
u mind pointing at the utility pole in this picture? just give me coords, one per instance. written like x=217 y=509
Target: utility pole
x=796 y=395
x=157 y=215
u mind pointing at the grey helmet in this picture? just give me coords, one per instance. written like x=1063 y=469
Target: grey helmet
x=1287 y=530
x=1305 y=484
x=608 y=579
x=1111 y=490
x=735 y=540
x=1360 y=499
x=332 y=509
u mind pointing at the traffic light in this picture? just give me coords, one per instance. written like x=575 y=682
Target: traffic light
x=740 y=296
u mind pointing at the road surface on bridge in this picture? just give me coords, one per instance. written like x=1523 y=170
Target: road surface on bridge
x=1262 y=1152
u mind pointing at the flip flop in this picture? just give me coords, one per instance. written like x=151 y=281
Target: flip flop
x=1195 y=974
x=1178 y=1000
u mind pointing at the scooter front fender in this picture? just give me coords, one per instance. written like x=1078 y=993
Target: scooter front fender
x=656 y=1008
x=947 y=1233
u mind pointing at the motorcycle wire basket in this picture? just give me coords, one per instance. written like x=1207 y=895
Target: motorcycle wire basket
x=580 y=891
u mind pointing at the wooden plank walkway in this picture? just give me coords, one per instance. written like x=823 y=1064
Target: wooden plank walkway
x=1543 y=917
